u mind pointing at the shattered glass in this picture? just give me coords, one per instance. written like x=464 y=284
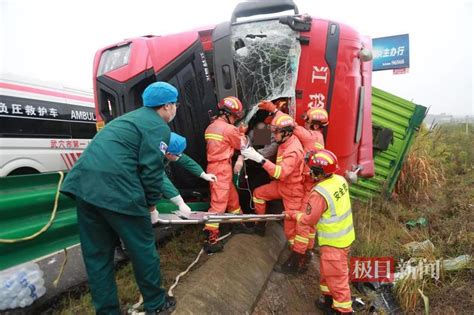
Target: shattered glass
x=266 y=58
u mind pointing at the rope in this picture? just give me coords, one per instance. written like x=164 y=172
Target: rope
x=56 y=281
x=44 y=228
x=133 y=309
x=170 y=290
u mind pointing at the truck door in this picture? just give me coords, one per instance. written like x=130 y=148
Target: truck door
x=197 y=101
x=123 y=72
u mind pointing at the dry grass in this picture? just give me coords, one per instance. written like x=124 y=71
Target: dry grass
x=421 y=171
x=381 y=231
x=419 y=174
x=407 y=294
x=437 y=183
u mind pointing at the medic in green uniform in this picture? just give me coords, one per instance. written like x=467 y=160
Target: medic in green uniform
x=116 y=183
x=175 y=154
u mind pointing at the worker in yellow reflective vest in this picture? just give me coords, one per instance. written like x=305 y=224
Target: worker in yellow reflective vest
x=327 y=204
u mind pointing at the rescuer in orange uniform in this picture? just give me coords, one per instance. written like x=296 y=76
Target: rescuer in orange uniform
x=222 y=139
x=328 y=204
x=311 y=137
x=286 y=172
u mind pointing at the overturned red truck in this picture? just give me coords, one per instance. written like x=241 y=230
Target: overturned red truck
x=309 y=61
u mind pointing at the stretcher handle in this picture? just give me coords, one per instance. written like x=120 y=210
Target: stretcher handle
x=244 y=218
x=226 y=219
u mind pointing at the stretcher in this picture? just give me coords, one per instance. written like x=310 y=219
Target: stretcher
x=198 y=217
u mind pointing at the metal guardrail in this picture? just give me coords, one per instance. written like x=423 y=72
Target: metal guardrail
x=26 y=203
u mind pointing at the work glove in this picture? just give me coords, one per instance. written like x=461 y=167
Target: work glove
x=208 y=177
x=251 y=154
x=238 y=165
x=267 y=106
x=154 y=216
x=183 y=207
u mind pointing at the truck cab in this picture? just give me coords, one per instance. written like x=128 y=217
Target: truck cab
x=311 y=62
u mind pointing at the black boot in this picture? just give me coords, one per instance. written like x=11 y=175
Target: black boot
x=241 y=228
x=211 y=244
x=291 y=265
x=324 y=303
x=167 y=308
x=260 y=228
x=306 y=260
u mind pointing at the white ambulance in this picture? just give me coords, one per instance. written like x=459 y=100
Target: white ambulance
x=44 y=127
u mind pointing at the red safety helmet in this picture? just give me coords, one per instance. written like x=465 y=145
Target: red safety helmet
x=322 y=162
x=317 y=116
x=282 y=122
x=232 y=106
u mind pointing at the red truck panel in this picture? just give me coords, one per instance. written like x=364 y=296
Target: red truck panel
x=329 y=76
x=146 y=53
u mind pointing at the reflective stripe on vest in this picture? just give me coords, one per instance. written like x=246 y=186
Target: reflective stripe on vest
x=335 y=228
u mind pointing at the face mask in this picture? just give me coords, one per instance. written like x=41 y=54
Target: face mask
x=172 y=157
x=172 y=116
x=174 y=110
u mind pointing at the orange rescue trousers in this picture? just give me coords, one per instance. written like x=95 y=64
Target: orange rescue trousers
x=291 y=195
x=308 y=183
x=334 y=278
x=224 y=196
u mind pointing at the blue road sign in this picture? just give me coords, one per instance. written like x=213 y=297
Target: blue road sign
x=391 y=52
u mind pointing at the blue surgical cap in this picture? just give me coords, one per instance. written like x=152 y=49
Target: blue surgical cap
x=177 y=144
x=158 y=94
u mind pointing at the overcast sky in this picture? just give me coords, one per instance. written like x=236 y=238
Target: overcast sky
x=55 y=40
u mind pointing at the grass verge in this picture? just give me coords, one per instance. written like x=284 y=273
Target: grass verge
x=437 y=184
x=176 y=253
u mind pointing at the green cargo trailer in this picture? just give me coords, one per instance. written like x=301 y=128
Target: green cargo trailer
x=395 y=122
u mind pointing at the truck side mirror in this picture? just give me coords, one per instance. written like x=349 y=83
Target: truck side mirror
x=365 y=55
